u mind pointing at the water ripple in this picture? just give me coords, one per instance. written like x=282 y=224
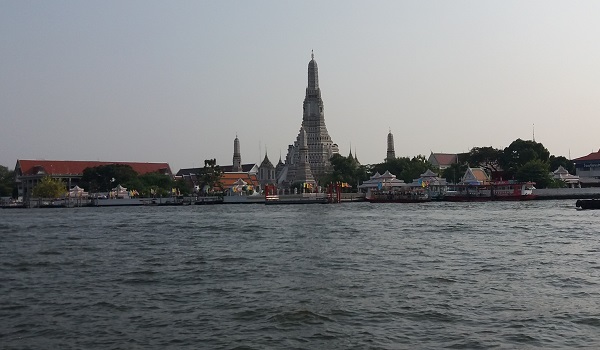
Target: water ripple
x=349 y=276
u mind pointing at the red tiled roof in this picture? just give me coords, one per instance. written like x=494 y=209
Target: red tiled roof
x=76 y=167
x=228 y=179
x=445 y=158
x=591 y=156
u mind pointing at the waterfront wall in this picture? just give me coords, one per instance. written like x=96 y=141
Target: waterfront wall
x=567 y=193
x=353 y=197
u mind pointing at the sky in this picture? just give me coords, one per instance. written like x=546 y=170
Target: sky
x=176 y=81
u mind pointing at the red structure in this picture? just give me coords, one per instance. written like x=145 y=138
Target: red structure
x=334 y=192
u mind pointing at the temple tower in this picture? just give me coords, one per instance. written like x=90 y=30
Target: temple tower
x=237 y=157
x=320 y=148
x=391 y=154
x=266 y=172
x=303 y=172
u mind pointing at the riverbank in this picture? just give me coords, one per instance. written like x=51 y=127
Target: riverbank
x=541 y=194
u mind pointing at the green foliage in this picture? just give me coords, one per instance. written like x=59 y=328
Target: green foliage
x=345 y=169
x=555 y=162
x=521 y=152
x=487 y=158
x=103 y=178
x=7 y=182
x=211 y=176
x=454 y=173
x=183 y=187
x=536 y=171
x=404 y=168
x=49 y=188
x=557 y=183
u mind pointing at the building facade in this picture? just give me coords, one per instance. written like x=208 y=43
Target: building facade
x=29 y=172
x=266 y=172
x=442 y=160
x=588 y=169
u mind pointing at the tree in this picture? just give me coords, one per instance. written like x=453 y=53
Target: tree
x=345 y=169
x=405 y=168
x=454 y=173
x=415 y=167
x=535 y=171
x=7 y=182
x=519 y=153
x=394 y=166
x=488 y=158
x=49 y=188
x=211 y=175
x=183 y=187
x=105 y=177
x=555 y=162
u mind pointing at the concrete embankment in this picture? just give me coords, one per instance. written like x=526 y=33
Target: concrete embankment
x=353 y=197
x=567 y=193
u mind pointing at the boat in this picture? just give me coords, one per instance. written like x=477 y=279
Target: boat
x=404 y=195
x=583 y=204
x=491 y=191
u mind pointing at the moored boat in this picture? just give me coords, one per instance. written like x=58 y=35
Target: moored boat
x=588 y=204
x=491 y=191
x=406 y=195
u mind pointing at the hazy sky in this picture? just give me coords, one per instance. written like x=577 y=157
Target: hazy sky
x=175 y=81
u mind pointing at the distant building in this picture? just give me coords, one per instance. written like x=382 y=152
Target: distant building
x=475 y=176
x=303 y=173
x=588 y=169
x=442 y=160
x=353 y=158
x=237 y=156
x=562 y=174
x=320 y=148
x=279 y=171
x=588 y=166
x=391 y=154
x=231 y=173
x=236 y=182
x=266 y=172
x=29 y=172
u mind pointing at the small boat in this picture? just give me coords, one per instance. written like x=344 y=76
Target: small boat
x=588 y=204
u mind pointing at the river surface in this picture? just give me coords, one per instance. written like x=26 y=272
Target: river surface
x=339 y=276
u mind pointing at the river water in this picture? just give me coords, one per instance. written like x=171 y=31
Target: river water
x=339 y=276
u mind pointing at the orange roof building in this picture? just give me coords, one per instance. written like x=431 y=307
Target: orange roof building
x=228 y=180
x=28 y=172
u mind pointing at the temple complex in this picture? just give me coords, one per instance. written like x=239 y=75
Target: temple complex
x=312 y=163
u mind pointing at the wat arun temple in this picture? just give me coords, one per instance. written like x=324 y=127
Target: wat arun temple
x=307 y=160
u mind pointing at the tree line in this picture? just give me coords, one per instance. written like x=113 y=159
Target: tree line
x=522 y=160
x=104 y=178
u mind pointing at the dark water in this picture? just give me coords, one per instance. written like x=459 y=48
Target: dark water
x=348 y=276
